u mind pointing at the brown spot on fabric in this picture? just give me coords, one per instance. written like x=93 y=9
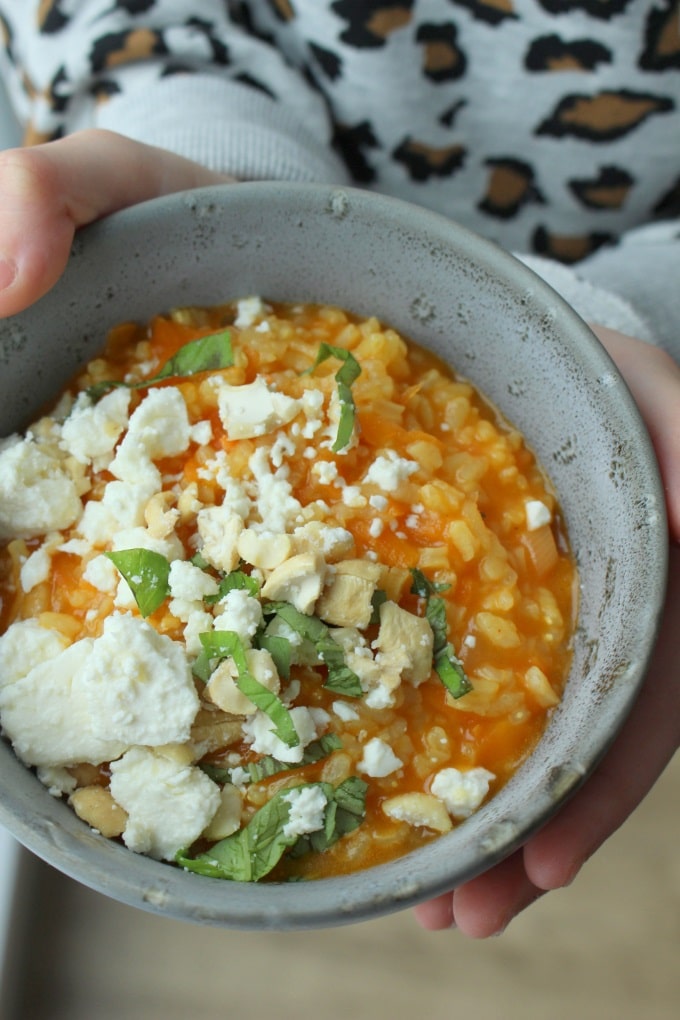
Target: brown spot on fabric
x=34 y=137
x=103 y=90
x=493 y=12
x=510 y=186
x=603 y=117
x=371 y=22
x=284 y=9
x=662 y=38
x=567 y=248
x=609 y=190
x=550 y=53
x=442 y=58
x=424 y=161
x=120 y=48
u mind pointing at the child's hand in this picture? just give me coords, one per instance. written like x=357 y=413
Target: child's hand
x=48 y=191
x=650 y=736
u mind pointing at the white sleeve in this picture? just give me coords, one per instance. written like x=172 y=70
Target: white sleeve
x=179 y=74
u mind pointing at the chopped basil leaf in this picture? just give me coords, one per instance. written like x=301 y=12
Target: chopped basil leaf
x=379 y=598
x=208 y=353
x=341 y=678
x=344 y=377
x=235 y=579
x=217 y=773
x=344 y=813
x=280 y=650
x=199 y=560
x=269 y=766
x=223 y=644
x=254 y=851
x=447 y=665
x=147 y=574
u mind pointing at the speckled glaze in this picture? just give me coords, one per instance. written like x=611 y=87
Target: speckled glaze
x=500 y=326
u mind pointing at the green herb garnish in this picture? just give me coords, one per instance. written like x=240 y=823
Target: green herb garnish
x=340 y=678
x=235 y=579
x=269 y=766
x=251 y=853
x=147 y=574
x=446 y=663
x=224 y=644
x=345 y=376
x=208 y=353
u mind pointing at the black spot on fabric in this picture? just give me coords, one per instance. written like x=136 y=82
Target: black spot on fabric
x=114 y=47
x=254 y=83
x=668 y=205
x=353 y=142
x=550 y=53
x=59 y=91
x=174 y=67
x=370 y=22
x=51 y=19
x=604 y=10
x=448 y=117
x=329 y=63
x=608 y=190
x=220 y=53
x=104 y=88
x=424 y=162
x=132 y=6
x=488 y=11
x=662 y=38
x=443 y=59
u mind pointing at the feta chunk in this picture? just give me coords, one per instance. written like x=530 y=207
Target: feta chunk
x=461 y=792
x=258 y=731
x=378 y=759
x=219 y=528
x=91 y=431
x=307 y=810
x=37 y=492
x=389 y=470
x=189 y=582
x=239 y=612
x=158 y=428
x=25 y=645
x=168 y=802
x=537 y=514
x=248 y=311
x=137 y=685
x=253 y=409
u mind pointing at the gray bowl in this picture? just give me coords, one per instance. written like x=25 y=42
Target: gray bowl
x=504 y=329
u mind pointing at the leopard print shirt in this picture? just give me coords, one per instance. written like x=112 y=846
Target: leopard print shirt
x=550 y=127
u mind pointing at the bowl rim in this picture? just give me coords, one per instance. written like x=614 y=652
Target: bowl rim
x=170 y=891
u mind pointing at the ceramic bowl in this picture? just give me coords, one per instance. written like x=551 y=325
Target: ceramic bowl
x=505 y=330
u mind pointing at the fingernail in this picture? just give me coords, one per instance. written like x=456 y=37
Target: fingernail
x=8 y=273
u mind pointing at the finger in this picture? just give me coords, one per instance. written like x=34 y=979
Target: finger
x=637 y=758
x=436 y=914
x=486 y=905
x=48 y=191
x=653 y=378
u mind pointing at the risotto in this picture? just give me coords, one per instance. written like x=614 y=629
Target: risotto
x=281 y=595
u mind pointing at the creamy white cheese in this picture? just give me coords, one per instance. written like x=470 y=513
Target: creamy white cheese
x=461 y=792
x=37 y=492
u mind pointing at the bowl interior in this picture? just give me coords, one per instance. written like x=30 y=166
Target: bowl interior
x=500 y=326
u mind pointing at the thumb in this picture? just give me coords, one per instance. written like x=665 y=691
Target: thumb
x=48 y=191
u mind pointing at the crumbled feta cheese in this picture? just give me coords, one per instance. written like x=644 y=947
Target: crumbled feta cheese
x=168 y=802
x=58 y=780
x=537 y=514
x=307 y=810
x=37 y=492
x=189 y=582
x=272 y=495
x=326 y=471
x=461 y=792
x=240 y=612
x=378 y=759
x=36 y=568
x=219 y=528
x=258 y=731
x=25 y=645
x=158 y=428
x=201 y=433
x=141 y=538
x=91 y=431
x=102 y=574
x=344 y=711
x=138 y=685
x=283 y=447
x=252 y=409
x=122 y=506
x=248 y=311
x=389 y=470
x=45 y=713
x=353 y=497
x=378 y=501
x=375 y=528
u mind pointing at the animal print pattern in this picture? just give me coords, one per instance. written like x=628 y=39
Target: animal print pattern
x=549 y=126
